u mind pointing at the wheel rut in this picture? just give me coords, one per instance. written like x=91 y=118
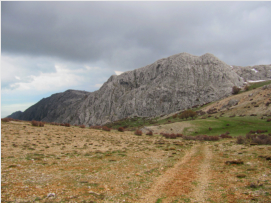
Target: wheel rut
x=187 y=179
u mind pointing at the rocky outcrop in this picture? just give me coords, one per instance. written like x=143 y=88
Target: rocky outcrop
x=168 y=85
x=254 y=73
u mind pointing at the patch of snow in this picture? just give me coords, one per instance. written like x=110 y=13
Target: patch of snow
x=252 y=81
x=255 y=70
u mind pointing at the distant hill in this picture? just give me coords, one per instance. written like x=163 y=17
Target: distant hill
x=168 y=85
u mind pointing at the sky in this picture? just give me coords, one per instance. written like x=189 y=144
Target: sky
x=50 y=47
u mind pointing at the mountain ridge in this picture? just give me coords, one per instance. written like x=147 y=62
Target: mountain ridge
x=167 y=85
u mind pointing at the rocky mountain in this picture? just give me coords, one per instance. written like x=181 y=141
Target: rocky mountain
x=254 y=73
x=168 y=85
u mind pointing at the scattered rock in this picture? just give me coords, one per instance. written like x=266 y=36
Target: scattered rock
x=51 y=195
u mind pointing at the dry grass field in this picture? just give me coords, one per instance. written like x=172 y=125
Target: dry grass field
x=72 y=164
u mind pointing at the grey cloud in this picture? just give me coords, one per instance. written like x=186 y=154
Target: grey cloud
x=129 y=35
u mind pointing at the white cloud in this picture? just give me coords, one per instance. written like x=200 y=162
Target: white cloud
x=47 y=81
x=118 y=72
x=17 y=77
x=98 y=85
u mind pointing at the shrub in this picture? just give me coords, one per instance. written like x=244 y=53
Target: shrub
x=225 y=136
x=121 y=129
x=172 y=136
x=235 y=90
x=82 y=126
x=37 y=123
x=240 y=140
x=175 y=116
x=96 y=127
x=149 y=133
x=6 y=119
x=246 y=88
x=67 y=125
x=213 y=138
x=179 y=135
x=202 y=138
x=138 y=132
x=105 y=128
x=261 y=131
x=188 y=113
x=251 y=137
x=189 y=137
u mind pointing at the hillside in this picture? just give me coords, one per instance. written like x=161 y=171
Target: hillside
x=166 y=86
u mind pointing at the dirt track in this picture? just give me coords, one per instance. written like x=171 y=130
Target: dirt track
x=189 y=177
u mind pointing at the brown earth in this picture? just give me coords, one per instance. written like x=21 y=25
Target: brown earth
x=72 y=164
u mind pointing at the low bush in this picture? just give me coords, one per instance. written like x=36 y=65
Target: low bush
x=253 y=138
x=179 y=135
x=261 y=131
x=6 y=119
x=138 y=132
x=149 y=133
x=246 y=88
x=225 y=136
x=189 y=137
x=175 y=116
x=121 y=129
x=240 y=140
x=67 y=125
x=97 y=127
x=37 y=123
x=171 y=136
x=202 y=138
x=187 y=113
x=82 y=126
x=105 y=128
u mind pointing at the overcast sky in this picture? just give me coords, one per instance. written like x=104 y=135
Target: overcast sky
x=49 y=47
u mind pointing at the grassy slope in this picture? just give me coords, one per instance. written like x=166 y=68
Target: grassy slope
x=237 y=125
x=258 y=84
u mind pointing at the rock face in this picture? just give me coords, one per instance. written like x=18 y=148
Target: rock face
x=254 y=73
x=168 y=85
